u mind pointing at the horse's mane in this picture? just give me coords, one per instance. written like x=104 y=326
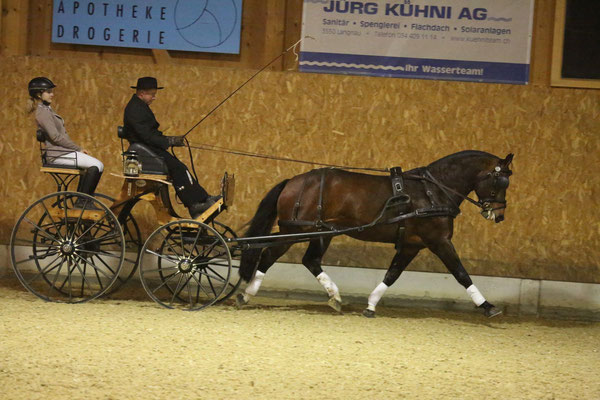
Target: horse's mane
x=462 y=154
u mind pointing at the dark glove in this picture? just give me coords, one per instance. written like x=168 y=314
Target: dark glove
x=176 y=141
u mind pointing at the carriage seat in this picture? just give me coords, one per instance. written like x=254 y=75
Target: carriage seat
x=48 y=166
x=151 y=163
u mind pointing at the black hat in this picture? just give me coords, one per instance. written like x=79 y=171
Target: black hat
x=146 y=83
x=39 y=84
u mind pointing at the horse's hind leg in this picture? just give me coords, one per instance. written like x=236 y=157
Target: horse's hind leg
x=312 y=260
x=398 y=265
x=446 y=252
x=267 y=259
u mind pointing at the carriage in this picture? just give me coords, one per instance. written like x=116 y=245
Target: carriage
x=71 y=247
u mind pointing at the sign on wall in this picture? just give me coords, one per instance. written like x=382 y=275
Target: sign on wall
x=467 y=40
x=191 y=25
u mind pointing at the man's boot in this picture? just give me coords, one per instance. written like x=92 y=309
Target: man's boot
x=198 y=209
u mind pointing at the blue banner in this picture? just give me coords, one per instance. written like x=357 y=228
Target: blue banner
x=466 y=40
x=192 y=25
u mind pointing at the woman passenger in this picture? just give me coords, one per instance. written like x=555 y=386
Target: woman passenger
x=60 y=149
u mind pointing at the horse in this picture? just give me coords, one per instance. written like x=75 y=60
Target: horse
x=330 y=199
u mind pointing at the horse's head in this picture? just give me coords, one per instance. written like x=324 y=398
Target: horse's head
x=491 y=190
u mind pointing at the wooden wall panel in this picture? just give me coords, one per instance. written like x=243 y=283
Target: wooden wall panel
x=13 y=33
x=551 y=229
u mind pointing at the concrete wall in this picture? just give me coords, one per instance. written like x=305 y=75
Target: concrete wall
x=425 y=290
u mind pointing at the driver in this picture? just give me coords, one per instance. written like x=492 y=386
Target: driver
x=141 y=126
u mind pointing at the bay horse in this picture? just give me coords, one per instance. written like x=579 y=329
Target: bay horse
x=328 y=198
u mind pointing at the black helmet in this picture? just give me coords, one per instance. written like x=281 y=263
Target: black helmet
x=39 y=84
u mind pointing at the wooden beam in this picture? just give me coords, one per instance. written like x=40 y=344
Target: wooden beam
x=14 y=27
x=40 y=30
x=275 y=33
x=2 y=34
x=541 y=45
x=293 y=31
x=161 y=56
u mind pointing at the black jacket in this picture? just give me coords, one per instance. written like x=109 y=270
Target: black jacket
x=141 y=126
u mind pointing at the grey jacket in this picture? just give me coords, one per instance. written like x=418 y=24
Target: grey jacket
x=57 y=140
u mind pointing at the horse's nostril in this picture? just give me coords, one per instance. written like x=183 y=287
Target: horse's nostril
x=499 y=218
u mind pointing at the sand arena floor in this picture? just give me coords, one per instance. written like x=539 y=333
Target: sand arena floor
x=129 y=348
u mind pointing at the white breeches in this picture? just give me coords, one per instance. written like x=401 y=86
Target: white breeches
x=79 y=160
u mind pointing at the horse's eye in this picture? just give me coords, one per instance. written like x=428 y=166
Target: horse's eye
x=492 y=193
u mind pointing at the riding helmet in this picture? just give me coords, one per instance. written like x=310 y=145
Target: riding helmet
x=39 y=84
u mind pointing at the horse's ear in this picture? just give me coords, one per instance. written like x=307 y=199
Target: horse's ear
x=506 y=162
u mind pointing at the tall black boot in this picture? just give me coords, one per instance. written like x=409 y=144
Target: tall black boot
x=87 y=185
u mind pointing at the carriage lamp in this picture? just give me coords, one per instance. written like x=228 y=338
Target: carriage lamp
x=131 y=164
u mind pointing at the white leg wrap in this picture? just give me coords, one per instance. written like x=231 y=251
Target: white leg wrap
x=254 y=285
x=376 y=295
x=329 y=285
x=476 y=296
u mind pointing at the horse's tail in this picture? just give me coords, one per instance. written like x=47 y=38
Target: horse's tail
x=261 y=224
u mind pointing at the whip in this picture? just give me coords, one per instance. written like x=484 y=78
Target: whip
x=244 y=84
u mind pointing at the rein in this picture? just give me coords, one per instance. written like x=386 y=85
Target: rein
x=210 y=147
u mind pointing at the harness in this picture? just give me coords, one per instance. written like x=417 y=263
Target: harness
x=400 y=202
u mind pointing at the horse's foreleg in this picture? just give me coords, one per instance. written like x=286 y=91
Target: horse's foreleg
x=447 y=253
x=312 y=260
x=398 y=265
x=267 y=259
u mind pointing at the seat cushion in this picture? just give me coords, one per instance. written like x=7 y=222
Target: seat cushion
x=151 y=162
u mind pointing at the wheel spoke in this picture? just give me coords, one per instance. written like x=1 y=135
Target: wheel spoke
x=159 y=269
x=51 y=219
x=211 y=276
x=217 y=274
x=93 y=266
x=83 y=278
x=55 y=278
x=211 y=247
x=78 y=222
x=176 y=290
x=104 y=253
x=48 y=268
x=166 y=280
x=42 y=232
x=182 y=242
x=167 y=242
x=105 y=264
x=200 y=285
x=167 y=258
x=93 y=225
x=98 y=275
x=100 y=239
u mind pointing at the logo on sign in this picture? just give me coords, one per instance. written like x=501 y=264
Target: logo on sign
x=206 y=25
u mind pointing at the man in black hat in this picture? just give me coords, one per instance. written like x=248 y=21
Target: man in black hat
x=141 y=126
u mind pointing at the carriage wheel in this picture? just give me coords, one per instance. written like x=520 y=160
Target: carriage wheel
x=185 y=264
x=65 y=253
x=235 y=279
x=133 y=246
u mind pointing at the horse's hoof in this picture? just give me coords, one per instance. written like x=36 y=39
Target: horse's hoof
x=335 y=304
x=369 y=313
x=492 y=312
x=240 y=301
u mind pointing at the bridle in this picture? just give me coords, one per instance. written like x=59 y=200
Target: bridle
x=498 y=176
